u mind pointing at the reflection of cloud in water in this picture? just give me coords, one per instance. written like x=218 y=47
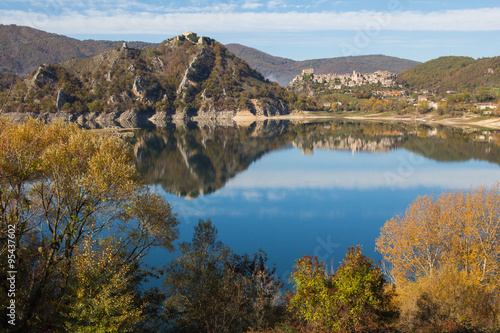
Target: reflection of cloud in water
x=273 y=212
x=302 y=215
x=364 y=179
x=190 y=212
x=276 y=195
x=251 y=195
x=307 y=215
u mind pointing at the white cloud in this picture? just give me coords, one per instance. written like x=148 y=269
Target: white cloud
x=363 y=179
x=275 y=4
x=226 y=19
x=251 y=5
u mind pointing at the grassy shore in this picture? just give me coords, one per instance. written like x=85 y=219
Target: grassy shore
x=467 y=120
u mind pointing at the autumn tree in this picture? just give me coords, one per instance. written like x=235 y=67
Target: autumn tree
x=99 y=296
x=354 y=298
x=423 y=107
x=66 y=192
x=454 y=238
x=211 y=289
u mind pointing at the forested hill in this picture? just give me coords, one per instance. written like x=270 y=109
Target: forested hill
x=23 y=48
x=283 y=70
x=185 y=73
x=453 y=73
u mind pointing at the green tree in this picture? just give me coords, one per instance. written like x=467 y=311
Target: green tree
x=211 y=289
x=353 y=299
x=99 y=295
x=60 y=187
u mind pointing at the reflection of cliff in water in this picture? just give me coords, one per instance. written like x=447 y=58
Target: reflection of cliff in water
x=442 y=144
x=200 y=160
x=193 y=161
x=457 y=146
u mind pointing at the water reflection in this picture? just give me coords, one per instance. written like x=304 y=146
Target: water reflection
x=193 y=161
x=308 y=189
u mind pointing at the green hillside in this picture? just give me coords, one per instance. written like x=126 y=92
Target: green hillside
x=453 y=73
x=283 y=70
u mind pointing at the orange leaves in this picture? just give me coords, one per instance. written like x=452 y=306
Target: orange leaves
x=445 y=302
x=97 y=163
x=445 y=257
x=411 y=242
x=458 y=228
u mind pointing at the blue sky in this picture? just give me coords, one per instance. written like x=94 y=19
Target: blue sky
x=412 y=29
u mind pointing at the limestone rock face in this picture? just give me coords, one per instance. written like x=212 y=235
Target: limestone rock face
x=268 y=109
x=161 y=119
x=139 y=87
x=43 y=75
x=61 y=99
x=185 y=81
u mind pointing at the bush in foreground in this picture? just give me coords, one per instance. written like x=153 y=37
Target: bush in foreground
x=355 y=298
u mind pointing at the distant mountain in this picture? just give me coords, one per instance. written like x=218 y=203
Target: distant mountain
x=23 y=48
x=453 y=73
x=283 y=70
x=186 y=74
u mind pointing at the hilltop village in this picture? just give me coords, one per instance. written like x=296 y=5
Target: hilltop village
x=338 y=81
x=384 y=91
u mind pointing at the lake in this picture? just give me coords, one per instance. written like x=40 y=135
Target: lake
x=307 y=189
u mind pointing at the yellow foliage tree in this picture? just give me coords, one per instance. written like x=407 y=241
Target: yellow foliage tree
x=99 y=297
x=457 y=232
x=61 y=186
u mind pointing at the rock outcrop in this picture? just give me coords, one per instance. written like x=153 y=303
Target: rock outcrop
x=186 y=75
x=61 y=99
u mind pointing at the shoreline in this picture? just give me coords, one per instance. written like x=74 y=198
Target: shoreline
x=464 y=121
x=131 y=119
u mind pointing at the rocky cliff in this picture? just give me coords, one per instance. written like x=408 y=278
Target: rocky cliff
x=186 y=76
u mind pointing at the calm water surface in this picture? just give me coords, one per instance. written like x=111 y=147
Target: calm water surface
x=309 y=189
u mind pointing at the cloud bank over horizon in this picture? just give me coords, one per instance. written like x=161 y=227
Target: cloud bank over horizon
x=219 y=20
x=297 y=29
